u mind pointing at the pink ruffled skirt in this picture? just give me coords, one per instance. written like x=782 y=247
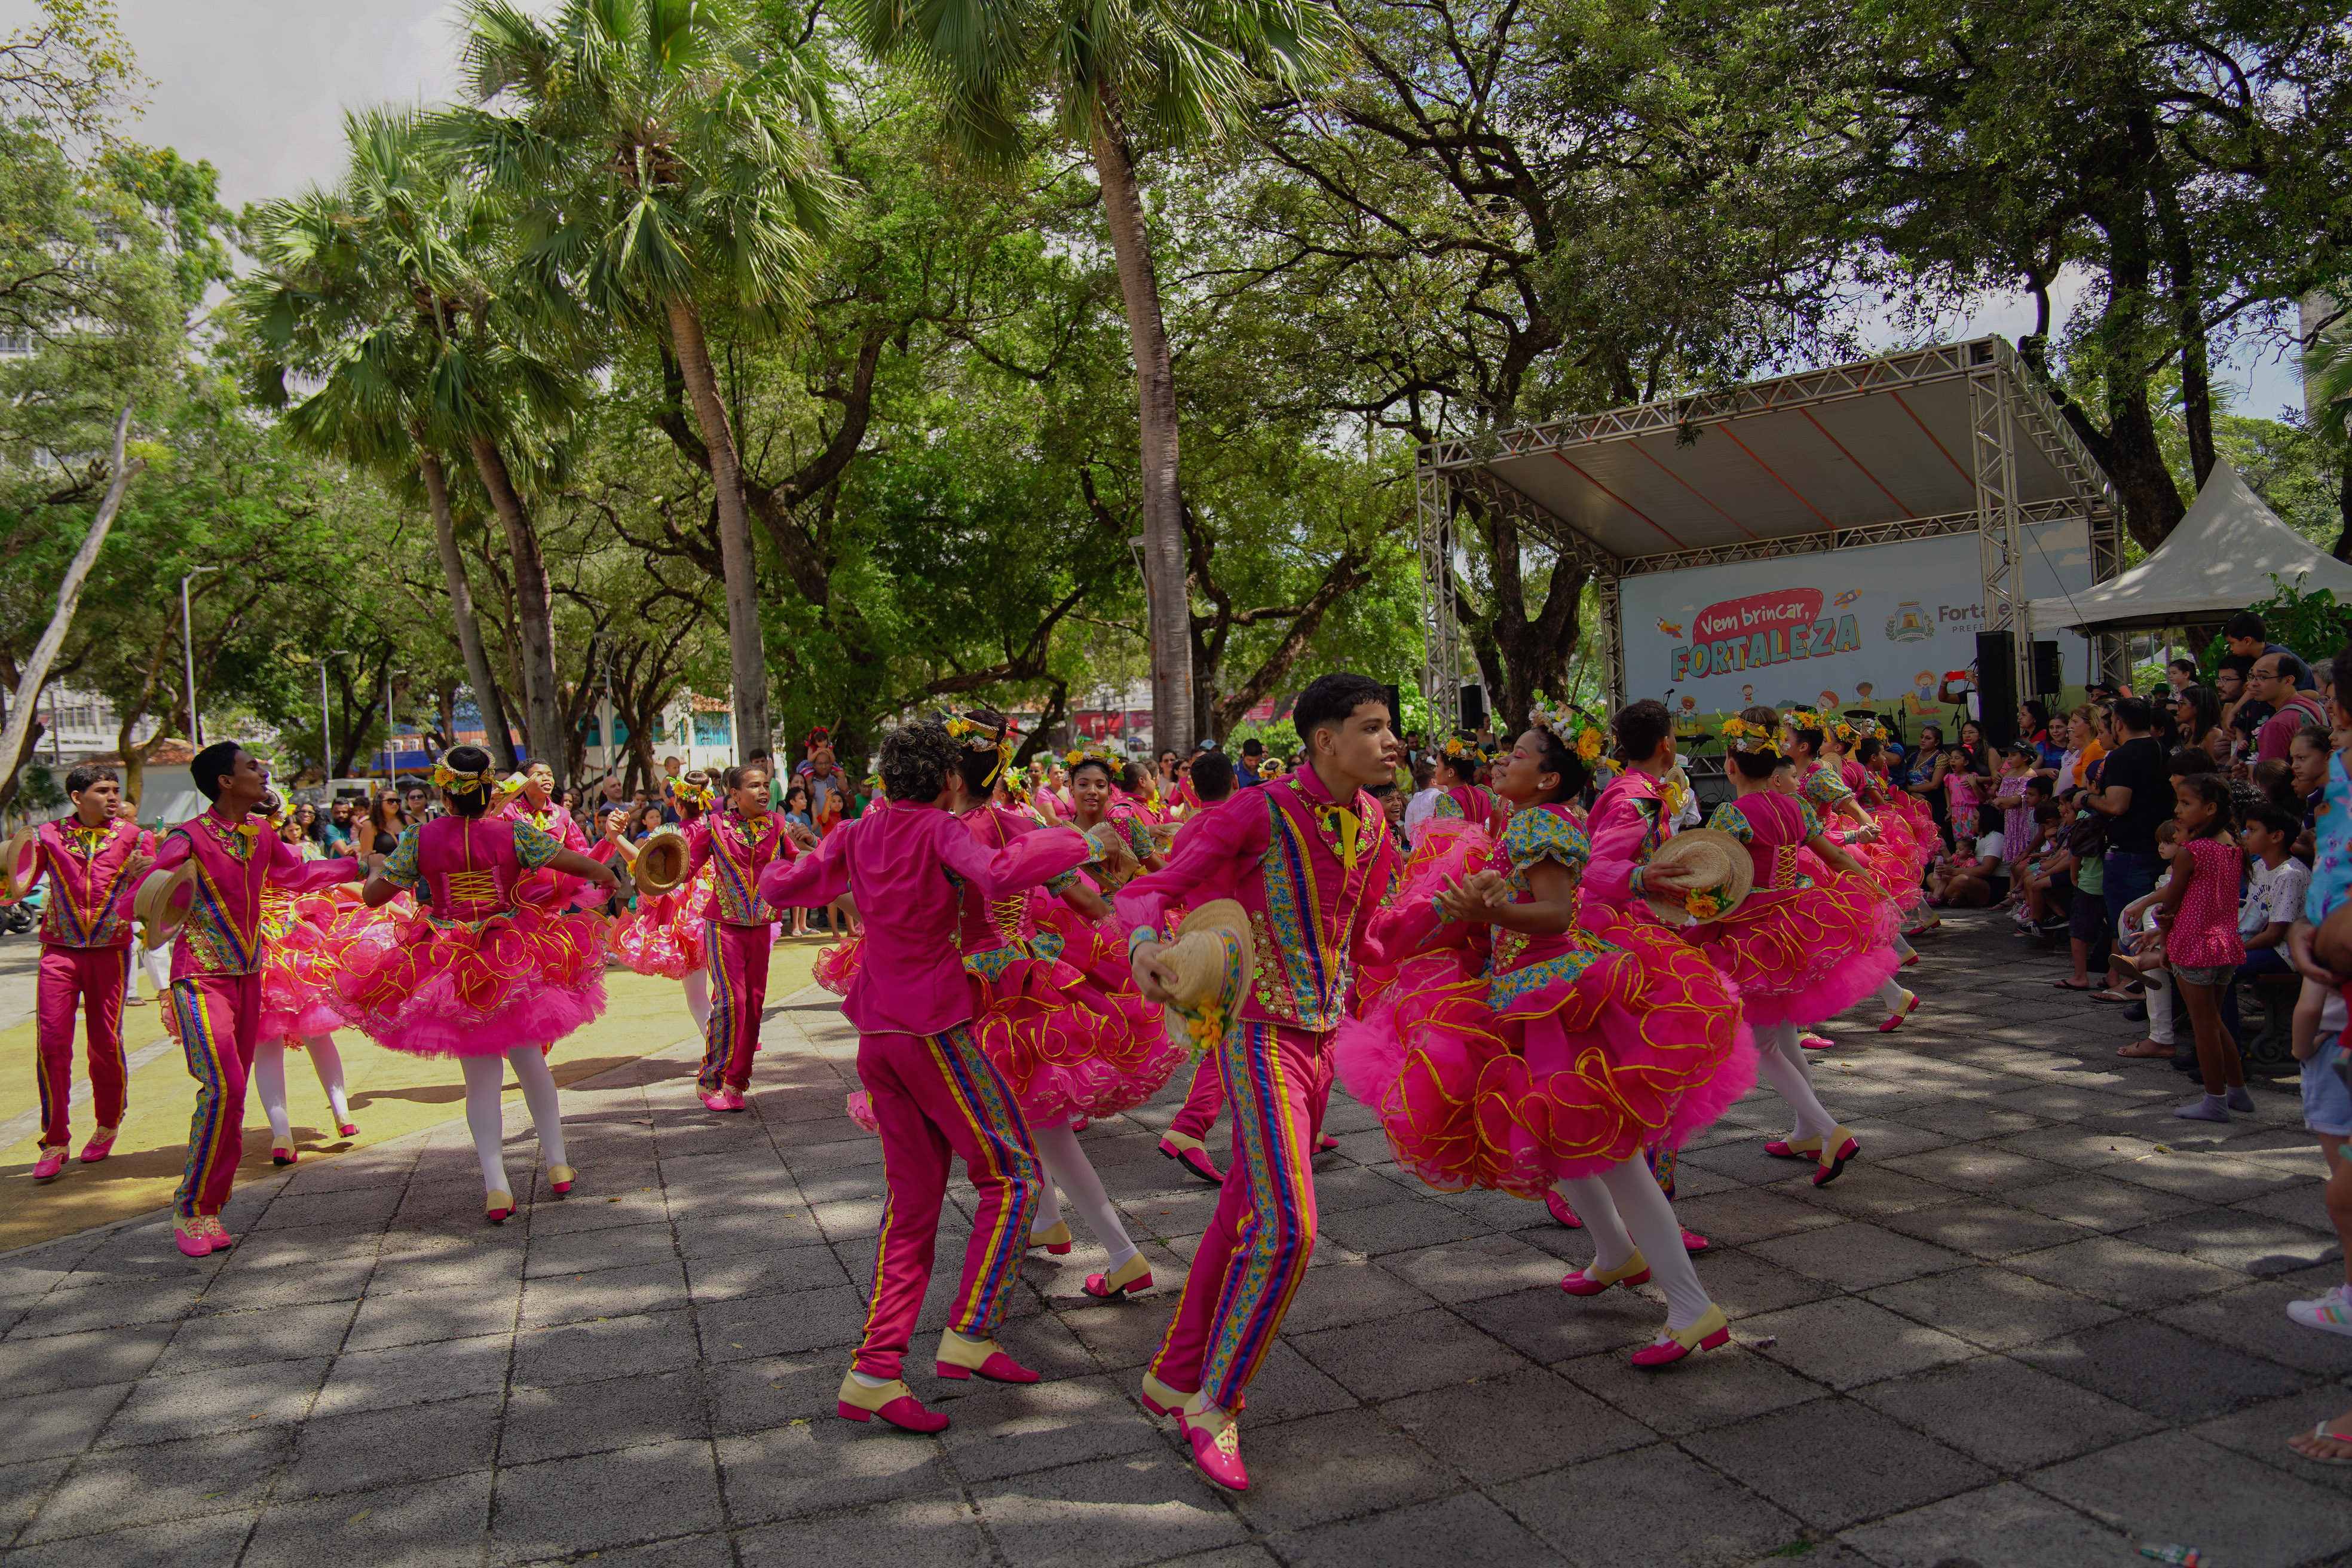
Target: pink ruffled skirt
x=531 y=977
x=1801 y=955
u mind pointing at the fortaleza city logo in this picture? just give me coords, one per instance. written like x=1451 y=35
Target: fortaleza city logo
x=1763 y=630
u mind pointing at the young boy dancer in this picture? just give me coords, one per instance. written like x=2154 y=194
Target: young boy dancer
x=93 y=860
x=934 y=1093
x=1309 y=856
x=216 y=970
x=738 y=840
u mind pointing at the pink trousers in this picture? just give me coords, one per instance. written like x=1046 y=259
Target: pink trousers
x=91 y=977
x=1278 y=1081
x=935 y=1097
x=220 y=1021
x=1206 y=1098
x=739 y=989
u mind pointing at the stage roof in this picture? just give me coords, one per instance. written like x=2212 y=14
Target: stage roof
x=1855 y=454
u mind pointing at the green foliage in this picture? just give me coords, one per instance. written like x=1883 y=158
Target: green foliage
x=2313 y=626
x=38 y=789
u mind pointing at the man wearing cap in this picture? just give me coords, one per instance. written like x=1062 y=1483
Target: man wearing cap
x=224 y=858
x=93 y=860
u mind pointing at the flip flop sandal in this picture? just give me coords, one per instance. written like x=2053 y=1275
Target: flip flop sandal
x=2072 y=985
x=2322 y=1433
x=2112 y=996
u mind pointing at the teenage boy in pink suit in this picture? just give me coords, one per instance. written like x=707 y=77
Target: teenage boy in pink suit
x=216 y=970
x=935 y=1094
x=1310 y=859
x=93 y=861
x=741 y=841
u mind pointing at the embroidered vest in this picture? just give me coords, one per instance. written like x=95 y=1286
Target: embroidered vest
x=89 y=900
x=739 y=851
x=1306 y=904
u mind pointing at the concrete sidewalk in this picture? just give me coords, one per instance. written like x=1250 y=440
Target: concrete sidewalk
x=2017 y=1333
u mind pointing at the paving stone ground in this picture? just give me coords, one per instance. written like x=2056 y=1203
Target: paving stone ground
x=2017 y=1333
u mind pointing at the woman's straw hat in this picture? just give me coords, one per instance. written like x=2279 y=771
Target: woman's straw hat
x=17 y=862
x=1211 y=958
x=1718 y=873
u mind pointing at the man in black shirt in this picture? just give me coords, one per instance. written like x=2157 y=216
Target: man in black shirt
x=2134 y=795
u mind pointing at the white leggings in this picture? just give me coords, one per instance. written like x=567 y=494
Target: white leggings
x=1625 y=1197
x=1781 y=1062
x=1890 y=995
x=698 y=999
x=484 y=1077
x=1068 y=1168
x=270 y=1081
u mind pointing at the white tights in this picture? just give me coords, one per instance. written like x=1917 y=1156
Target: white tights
x=698 y=999
x=270 y=1082
x=1625 y=1197
x=1781 y=1062
x=1890 y=995
x=484 y=1077
x=1067 y=1168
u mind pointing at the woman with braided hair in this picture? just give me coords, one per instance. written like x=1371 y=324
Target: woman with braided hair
x=1537 y=1042
x=490 y=966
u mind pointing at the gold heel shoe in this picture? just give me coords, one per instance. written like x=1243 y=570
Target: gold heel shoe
x=1127 y=1279
x=1709 y=1331
x=560 y=1178
x=1835 y=1151
x=497 y=1207
x=1634 y=1271
x=1055 y=1241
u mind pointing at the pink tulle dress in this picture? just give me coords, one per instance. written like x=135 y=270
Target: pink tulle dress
x=304 y=937
x=1895 y=859
x=1097 y=948
x=1501 y=1060
x=1800 y=947
x=490 y=957
x=664 y=933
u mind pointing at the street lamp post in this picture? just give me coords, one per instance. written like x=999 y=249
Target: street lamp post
x=391 y=736
x=326 y=725
x=188 y=651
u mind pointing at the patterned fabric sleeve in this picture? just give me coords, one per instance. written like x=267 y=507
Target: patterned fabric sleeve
x=1823 y=788
x=1445 y=806
x=400 y=865
x=1811 y=820
x=533 y=848
x=1061 y=882
x=1540 y=834
x=1729 y=818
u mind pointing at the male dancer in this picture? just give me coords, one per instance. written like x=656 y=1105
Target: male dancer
x=217 y=970
x=93 y=860
x=933 y=1089
x=1211 y=777
x=1310 y=859
x=738 y=841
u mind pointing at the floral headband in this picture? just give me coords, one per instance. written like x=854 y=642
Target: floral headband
x=444 y=776
x=698 y=796
x=974 y=736
x=1562 y=721
x=1802 y=718
x=1077 y=755
x=1463 y=748
x=1751 y=740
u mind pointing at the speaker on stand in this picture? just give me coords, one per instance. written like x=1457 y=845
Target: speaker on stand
x=1996 y=688
x=1474 y=706
x=2049 y=675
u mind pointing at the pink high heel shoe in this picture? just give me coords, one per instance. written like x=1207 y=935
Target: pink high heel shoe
x=722 y=1099
x=1217 y=1454
x=1129 y=1278
x=1709 y=1331
x=1561 y=1212
x=51 y=1164
x=100 y=1144
x=348 y=1129
x=1634 y=1271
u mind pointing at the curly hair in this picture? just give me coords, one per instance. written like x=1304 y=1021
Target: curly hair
x=916 y=759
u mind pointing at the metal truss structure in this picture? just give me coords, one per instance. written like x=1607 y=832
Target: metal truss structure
x=2024 y=467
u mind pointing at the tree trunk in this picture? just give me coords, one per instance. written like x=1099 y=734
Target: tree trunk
x=747 y=652
x=478 y=674
x=534 y=613
x=1155 y=394
x=2343 y=551
x=36 y=673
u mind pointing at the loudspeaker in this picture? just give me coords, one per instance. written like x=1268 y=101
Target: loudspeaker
x=1996 y=688
x=2048 y=677
x=1396 y=706
x=1474 y=706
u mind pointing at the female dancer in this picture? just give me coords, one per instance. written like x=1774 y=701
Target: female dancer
x=1823 y=785
x=484 y=969
x=1460 y=796
x=1092 y=945
x=1069 y=1052
x=1551 y=1055
x=1799 y=953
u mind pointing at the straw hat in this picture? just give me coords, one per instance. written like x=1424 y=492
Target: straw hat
x=1211 y=958
x=163 y=901
x=661 y=862
x=17 y=863
x=1717 y=867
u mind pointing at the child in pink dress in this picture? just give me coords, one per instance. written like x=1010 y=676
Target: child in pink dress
x=2198 y=909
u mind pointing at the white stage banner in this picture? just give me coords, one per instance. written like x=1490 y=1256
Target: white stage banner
x=1867 y=626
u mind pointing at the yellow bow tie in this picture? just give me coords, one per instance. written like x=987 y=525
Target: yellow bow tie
x=1350 y=826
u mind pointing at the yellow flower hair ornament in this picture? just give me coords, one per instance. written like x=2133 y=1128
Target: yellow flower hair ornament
x=1077 y=755
x=1754 y=740
x=444 y=776
x=1802 y=718
x=1588 y=741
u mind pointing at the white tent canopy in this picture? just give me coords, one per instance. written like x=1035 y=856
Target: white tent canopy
x=2221 y=558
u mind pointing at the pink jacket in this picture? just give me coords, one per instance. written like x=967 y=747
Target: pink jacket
x=89 y=899
x=908 y=864
x=1628 y=824
x=222 y=934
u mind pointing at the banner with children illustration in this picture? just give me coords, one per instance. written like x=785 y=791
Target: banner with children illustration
x=1865 y=627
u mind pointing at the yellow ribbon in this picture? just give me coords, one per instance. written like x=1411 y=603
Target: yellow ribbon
x=1351 y=827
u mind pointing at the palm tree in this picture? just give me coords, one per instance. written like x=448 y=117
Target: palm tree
x=1172 y=71
x=391 y=294
x=659 y=150
x=2327 y=404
